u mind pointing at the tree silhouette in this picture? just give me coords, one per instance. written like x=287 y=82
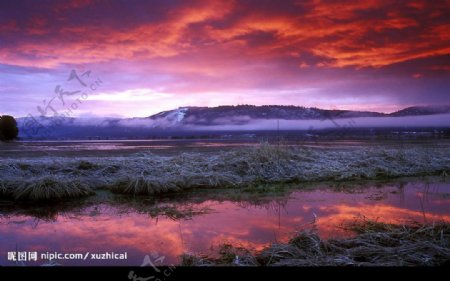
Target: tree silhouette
x=8 y=128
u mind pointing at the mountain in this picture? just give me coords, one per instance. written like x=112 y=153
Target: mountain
x=422 y=110
x=185 y=120
x=242 y=114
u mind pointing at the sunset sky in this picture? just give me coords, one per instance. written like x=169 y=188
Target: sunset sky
x=158 y=55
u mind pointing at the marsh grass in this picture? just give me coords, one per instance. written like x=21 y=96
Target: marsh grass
x=247 y=168
x=376 y=244
x=85 y=165
x=45 y=188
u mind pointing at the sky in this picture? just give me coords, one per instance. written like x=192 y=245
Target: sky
x=137 y=58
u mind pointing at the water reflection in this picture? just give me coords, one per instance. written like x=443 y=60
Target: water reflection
x=145 y=226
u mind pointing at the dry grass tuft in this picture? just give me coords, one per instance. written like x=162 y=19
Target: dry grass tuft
x=48 y=187
x=377 y=244
x=3 y=190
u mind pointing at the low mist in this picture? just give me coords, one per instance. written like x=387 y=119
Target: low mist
x=439 y=120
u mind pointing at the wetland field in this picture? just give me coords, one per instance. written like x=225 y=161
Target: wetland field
x=222 y=202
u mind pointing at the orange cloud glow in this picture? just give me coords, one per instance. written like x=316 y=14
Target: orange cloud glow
x=234 y=48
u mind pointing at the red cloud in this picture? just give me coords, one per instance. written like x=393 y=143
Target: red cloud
x=366 y=34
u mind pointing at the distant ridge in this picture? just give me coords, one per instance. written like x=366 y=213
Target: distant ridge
x=422 y=110
x=241 y=114
x=224 y=117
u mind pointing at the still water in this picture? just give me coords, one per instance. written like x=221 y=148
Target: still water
x=255 y=224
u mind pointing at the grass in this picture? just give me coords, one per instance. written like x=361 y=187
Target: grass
x=85 y=165
x=247 y=168
x=47 y=187
x=376 y=244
